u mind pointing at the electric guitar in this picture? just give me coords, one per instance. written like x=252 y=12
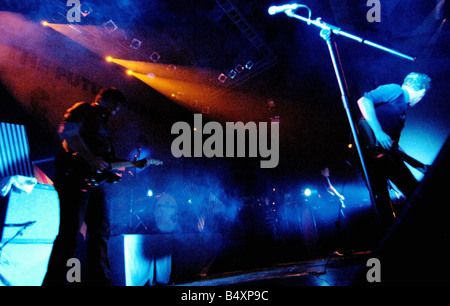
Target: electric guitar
x=96 y=178
x=370 y=144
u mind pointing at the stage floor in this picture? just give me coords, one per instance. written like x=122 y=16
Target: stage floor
x=332 y=271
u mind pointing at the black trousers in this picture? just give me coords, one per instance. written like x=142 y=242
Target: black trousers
x=382 y=169
x=78 y=205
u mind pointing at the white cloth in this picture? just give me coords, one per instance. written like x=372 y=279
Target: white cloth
x=22 y=183
x=143 y=261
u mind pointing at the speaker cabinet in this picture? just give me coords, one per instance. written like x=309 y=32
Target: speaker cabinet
x=25 y=251
x=42 y=206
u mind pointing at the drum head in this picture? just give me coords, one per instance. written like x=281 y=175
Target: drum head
x=166 y=214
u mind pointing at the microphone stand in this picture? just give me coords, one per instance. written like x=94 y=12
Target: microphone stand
x=132 y=198
x=326 y=33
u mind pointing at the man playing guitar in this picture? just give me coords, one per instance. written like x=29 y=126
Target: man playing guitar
x=86 y=150
x=384 y=112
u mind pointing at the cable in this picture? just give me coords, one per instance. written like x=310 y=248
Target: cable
x=19 y=232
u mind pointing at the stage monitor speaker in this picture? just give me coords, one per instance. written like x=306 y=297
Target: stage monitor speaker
x=25 y=250
x=41 y=206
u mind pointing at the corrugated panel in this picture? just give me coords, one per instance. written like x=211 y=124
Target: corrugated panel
x=14 y=151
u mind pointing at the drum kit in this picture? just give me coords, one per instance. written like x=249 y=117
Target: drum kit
x=156 y=214
x=188 y=210
x=162 y=213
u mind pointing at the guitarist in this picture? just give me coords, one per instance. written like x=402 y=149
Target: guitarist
x=384 y=112
x=86 y=148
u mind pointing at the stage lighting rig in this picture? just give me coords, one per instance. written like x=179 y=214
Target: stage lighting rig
x=239 y=68
x=85 y=9
x=222 y=78
x=110 y=26
x=155 y=57
x=249 y=65
x=135 y=44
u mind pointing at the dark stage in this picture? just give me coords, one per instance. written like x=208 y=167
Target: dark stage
x=237 y=111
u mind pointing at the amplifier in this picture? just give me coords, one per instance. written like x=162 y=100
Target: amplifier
x=40 y=208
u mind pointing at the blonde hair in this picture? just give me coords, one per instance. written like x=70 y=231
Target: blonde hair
x=417 y=81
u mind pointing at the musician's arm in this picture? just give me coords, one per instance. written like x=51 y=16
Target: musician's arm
x=367 y=109
x=333 y=190
x=70 y=133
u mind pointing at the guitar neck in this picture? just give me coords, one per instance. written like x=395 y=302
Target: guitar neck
x=369 y=141
x=410 y=160
x=124 y=164
x=129 y=164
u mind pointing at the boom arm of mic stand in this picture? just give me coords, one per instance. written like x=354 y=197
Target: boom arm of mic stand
x=336 y=30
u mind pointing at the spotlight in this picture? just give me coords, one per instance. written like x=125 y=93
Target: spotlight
x=130 y=72
x=109 y=58
x=44 y=23
x=307 y=192
x=222 y=77
x=149 y=193
x=135 y=44
x=110 y=26
x=239 y=68
x=232 y=74
x=85 y=9
x=249 y=65
x=155 y=57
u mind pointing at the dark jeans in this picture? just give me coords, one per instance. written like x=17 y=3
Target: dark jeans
x=388 y=168
x=78 y=205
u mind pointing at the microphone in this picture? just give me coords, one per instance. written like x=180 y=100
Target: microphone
x=282 y=8
x=26 y=224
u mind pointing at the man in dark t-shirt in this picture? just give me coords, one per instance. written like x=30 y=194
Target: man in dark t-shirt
x=86 y=147
x=384 y=110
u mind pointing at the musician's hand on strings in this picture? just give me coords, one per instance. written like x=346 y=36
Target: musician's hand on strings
x=384 y=140
x=97 y=163
x=141 y=164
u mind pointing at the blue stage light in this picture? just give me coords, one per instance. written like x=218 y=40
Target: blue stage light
x=307 y=192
